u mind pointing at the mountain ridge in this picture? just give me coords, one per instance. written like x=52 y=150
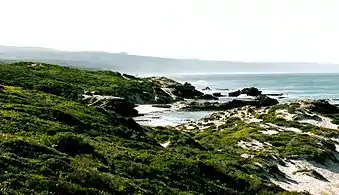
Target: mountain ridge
x=137 y=64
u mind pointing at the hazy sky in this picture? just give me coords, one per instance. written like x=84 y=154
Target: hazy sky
x=237 y=30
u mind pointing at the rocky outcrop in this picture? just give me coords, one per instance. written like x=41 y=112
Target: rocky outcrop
x=215 y=106
x=187 y=91
x=234 y=93
x=116 y=104
x=217 y=95
x=323 y=107
x=251 y=91
x=260 y=101
x=176 y=89
x=263 y=101
x=206 y=88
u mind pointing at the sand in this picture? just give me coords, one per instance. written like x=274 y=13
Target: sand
x=303 y=182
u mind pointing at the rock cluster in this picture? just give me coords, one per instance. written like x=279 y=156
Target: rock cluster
x=259 y=101
x=251 y=91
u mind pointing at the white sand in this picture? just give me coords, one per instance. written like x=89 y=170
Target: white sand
x=302 y=182
x=145 y=109
x=165 y=144
x=325 y=122
x=253 y=145
x=247 y=156
x=283 y=113
x=270 y=132
x=296 y=130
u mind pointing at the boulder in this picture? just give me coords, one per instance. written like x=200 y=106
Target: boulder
x=252 y=91
x=263 y=101
x=233 y=104
x=217 y=95
x=186 y=91
x=206 y=88
x=234 y=93
x=324 y=107
x=116 y=104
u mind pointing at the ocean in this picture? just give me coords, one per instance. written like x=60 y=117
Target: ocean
x=292 y=86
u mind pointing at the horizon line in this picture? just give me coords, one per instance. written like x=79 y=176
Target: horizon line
x=170 y=58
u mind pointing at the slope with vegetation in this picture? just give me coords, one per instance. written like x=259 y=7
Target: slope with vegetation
x=53 y=143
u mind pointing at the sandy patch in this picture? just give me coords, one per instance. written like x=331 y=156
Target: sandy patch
x=145 y=109
x=324 y=122
x=247 y=156
x=270 y=132
x=252 y=145
x=165 y=145
x=283 y=113
x=300 y=181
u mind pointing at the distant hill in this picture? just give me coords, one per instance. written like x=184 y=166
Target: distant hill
x=151 y=65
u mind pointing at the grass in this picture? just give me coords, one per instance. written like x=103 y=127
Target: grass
x=71 y=82
x=52 y=143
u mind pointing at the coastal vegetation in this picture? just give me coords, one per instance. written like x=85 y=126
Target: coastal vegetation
x=54 y=142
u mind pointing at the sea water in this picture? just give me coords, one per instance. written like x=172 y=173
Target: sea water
x=292 y=86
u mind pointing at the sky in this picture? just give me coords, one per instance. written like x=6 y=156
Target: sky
x=229 y=30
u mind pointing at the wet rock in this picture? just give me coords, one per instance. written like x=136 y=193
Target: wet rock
x=263 y=101
x=206 y=88
x=222 y=89
x=186 y=91
x=273 y=94
x=234 y=93
x=252 y=91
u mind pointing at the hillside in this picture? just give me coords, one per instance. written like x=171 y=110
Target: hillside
x=52 y=142
x=152 y=65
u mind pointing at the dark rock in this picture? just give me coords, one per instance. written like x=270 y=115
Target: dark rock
x=324 y=107
x=116 y=104
x=186 y=91
x=273 y=94
x=217 y=95
x=232 y=104
x=2 y=87
x=222 y=89
x=215 y=106
x=162 y=105
x=208 y=97
x=282 y=97
x=252 y=91
x=234 y=93
x=206 y=88
x=263 y=101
